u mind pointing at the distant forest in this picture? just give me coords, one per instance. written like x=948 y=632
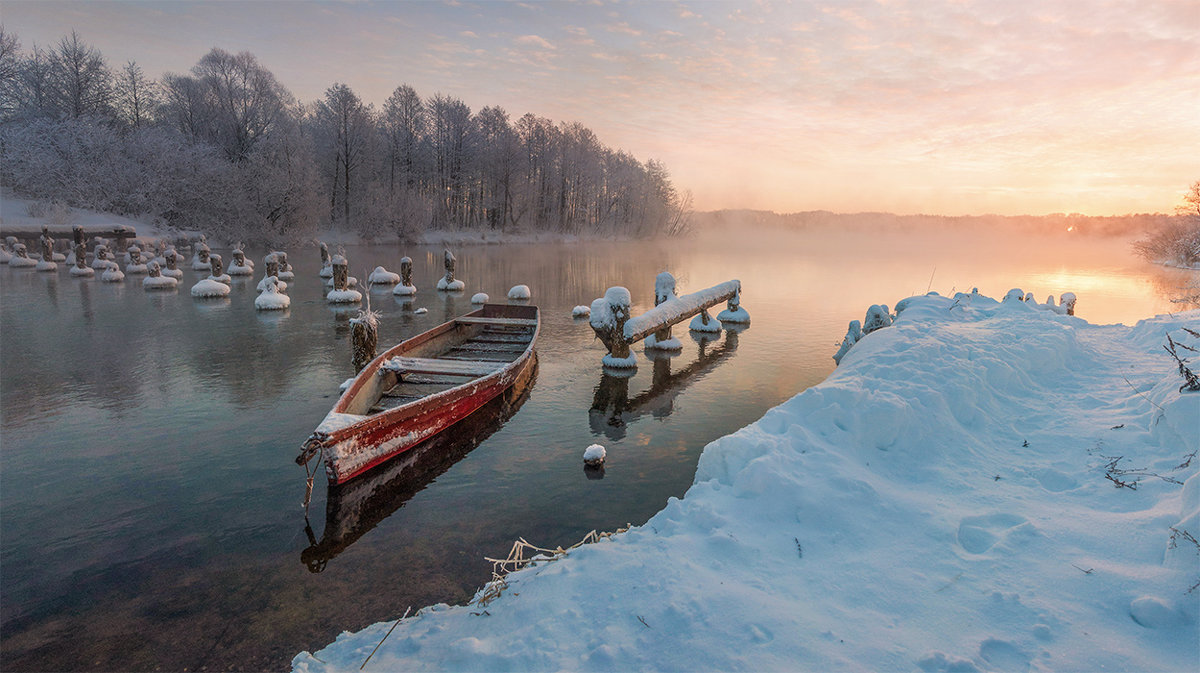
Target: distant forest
x=1116 y=225
x=227 y=150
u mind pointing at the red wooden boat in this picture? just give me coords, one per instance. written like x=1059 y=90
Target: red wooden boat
x=422 y=386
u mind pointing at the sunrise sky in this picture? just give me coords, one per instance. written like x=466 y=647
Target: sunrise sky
x=910 y=106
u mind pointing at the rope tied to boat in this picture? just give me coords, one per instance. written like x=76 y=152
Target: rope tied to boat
x=312 y=473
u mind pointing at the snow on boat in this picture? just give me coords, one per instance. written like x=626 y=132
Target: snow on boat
x=423 y=386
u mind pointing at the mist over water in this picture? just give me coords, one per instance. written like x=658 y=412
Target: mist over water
x=151 y=506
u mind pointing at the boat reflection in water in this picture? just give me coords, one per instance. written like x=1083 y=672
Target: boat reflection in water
x=354 y=508
x=612 y=408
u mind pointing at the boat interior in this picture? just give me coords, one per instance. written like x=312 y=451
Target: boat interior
x=469 y=347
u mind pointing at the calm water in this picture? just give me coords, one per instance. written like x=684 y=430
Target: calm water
x=151 y=511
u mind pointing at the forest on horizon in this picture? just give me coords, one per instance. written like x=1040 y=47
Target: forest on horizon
x=227 y=150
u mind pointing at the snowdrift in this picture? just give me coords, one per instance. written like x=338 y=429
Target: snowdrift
x=979 y=486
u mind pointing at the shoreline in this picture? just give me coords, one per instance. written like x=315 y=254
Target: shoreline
x=899 y=514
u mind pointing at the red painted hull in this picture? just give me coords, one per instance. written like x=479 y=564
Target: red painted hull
x=355 y=448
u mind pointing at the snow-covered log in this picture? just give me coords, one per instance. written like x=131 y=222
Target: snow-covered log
x=677 y=310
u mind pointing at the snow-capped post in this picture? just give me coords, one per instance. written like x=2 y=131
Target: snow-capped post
x=449 y=262
x=734 y=312
x=217 y=266
x=47 y=246
x=285 y=269
x=364 y=337
x=448 y=282
x=1067 y=301
x=271 y=264
x=77 y=235
x=341 y=273
x=664 y=290
x=406 y=271
x=406 y=287
x=609 y=315
x=326 y=262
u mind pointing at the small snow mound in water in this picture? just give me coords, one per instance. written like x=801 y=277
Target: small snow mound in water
x=594 y=455
x=698 y=325
x=381 y=276
x=343 y=296
x=85 y=271
x=452 y=286
x=159 y=282
x=581 y=312
x=739 y=316
x=480 y=298
x=210 y=288
x=272 y=299
x=519 y=292
x=112 y=274
x=404 y=290
x=619 y=363
x=671 y=344
x=421 y=311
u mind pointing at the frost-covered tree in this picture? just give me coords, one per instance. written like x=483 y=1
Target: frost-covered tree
x=345 y=130
x=244 y=101
x=404 y=125
x=80 y=82
x=32 y=88
x=451 y=140
x=499 y=166
x=135 y=96
x=1178 y=240
x=10 y=51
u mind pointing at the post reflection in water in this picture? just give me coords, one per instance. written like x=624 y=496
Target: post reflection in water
x=354 y=508
x=612 y=409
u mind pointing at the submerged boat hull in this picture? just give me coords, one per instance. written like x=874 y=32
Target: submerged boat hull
x=352 y=444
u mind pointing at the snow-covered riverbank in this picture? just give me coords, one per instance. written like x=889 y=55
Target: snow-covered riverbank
x=947 y=500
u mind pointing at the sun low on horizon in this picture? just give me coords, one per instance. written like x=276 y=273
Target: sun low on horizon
x=908 y=106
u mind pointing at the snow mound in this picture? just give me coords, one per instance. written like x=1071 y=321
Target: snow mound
x=479 y=298
x=159 y=283
x=713 y=325
x=83 y=272
x=451 y=286
x=112 y=274
x=519 y=292
x=594 y=455
x=271 y=299
x=581 y=312
x=209 y=287
x=381 y=276
x=404 y=290
x=343 y=296
x=939 y=503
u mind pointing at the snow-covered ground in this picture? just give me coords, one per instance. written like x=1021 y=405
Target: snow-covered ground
x=947 y=500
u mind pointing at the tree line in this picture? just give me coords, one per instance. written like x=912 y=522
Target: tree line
x=226 y=149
